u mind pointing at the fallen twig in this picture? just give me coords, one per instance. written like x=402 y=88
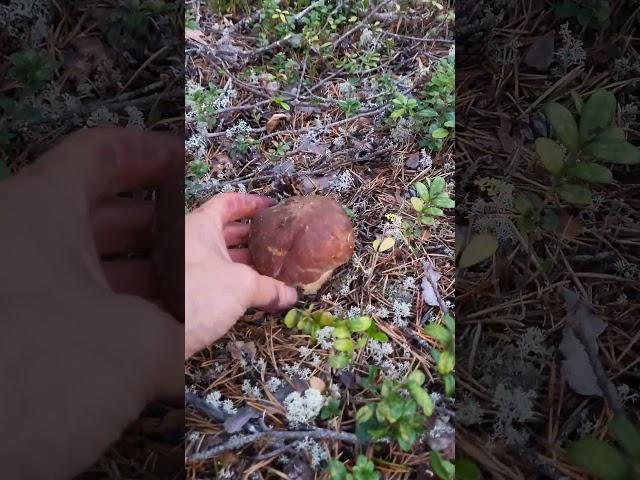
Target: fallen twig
x=238 y=442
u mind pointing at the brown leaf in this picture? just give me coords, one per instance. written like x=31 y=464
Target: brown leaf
x=241 y=350
x=579 y=345
x=413 y=160
x=317 y=384
x=311 y=184
x=540 y=53
x=196 y=36
x=298 y=469
x=569 y=226
x=504 y=134
x=274 y=121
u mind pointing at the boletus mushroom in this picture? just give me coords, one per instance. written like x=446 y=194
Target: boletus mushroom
x=301 y=241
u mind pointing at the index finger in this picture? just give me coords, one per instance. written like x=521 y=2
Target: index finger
x=108 y=161
x=230 y=207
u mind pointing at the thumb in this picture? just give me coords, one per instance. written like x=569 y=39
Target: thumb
x=272 y=295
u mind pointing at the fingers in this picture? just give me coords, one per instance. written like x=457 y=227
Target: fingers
x=272 y=295
x=108 y=161
x=122 y=225
x=240 y=255
x=236 y=234
x=230 y=207
x=133 y=277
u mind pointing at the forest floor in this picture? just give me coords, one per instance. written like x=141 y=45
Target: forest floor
x=304 y=98
x=523 y=391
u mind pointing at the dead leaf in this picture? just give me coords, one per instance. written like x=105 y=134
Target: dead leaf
x=317 y=384
x=540 y=53
x=440 y=435
x=569 y=226
x=298 y=469
x=274 y=121
x=504 y=134
x=220 y=162
x=196 y=36
x=480 y=247
x=311 y=184
x=242 y=350
x=579 y=345
x=236 y=422
x=348 y=379
x=413 y=160
x=430 y=288
x=381 y=244
x=309 y=146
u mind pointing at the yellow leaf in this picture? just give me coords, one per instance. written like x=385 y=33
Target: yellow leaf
x=274 y=121
x=480 y=248
x=317 y=384
x=384 y=244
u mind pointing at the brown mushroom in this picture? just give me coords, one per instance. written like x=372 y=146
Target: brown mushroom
x=301 y=241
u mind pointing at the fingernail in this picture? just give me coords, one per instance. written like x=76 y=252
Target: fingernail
x=290 y=296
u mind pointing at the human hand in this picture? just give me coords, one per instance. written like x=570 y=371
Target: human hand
x=78 y=362
x=219 y=284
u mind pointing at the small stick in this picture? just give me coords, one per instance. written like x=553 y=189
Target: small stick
x=238 y=442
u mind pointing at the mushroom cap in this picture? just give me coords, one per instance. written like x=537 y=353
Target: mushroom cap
x=301 y=241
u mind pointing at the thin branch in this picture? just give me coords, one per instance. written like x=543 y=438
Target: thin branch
x=360 y=24
x=238 y=442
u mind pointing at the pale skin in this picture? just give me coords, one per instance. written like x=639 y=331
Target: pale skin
x=84 y=342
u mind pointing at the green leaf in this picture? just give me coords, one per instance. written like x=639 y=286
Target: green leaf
x=383 y=412
x=365 y=413
x=422 y=398
x=433 y=212
x=566 y=10
x=341 y=331
x=359 y=324
x=380 y=337
x=577 y=101
x=361 y=342
x=444 y=469
x=343 y=344
x=422 y=190
x=292 y=317
x=590 y=172
x=564 y=125
x=364 y=469
x=440 y=333
x=551 y=155
x=406 y=436
x=339 y=361
x=416 y=377
x=480 y=247
x=577 y=194
x=4 y=171
x=417 y=204
x=440 y=133
x=446 y=363
x=444 y=202
x=397 y=113
x=598 y=458
x=627 y=435
x=613 y=150
x=427 y=220
x=331 y=409
x=449 y=385
x=597 y=114
x=612 y=132
x=436 y=187
x=337 y=470
x=467 y=470
x=396 y=406
x=449 y=322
